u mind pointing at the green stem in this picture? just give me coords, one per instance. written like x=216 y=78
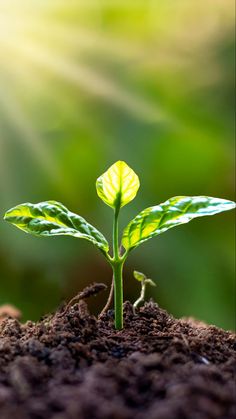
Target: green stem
x=116 y=236
x=118 y=294
x=117 y=266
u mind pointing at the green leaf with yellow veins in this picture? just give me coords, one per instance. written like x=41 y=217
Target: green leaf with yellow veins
x=118 y=185
x=178 y=210
x=51 y=218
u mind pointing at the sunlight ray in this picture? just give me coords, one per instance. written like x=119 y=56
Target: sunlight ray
x=90 y=81
x=5 y=175
x=17 y=118
x=78 y=37
x=34 y=81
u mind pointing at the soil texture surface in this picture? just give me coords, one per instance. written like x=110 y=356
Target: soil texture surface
x=71 y=365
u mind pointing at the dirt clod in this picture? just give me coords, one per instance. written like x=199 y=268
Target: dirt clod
x=8 y=310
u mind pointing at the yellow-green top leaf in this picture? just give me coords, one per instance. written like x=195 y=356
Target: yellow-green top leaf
x=118 y=185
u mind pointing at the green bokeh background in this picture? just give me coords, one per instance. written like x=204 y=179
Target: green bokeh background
x=83 y=84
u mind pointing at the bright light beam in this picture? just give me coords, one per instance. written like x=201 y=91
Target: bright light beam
x=88 y=80
x=33 y=142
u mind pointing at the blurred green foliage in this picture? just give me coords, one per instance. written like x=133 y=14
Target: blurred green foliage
x=83 y=84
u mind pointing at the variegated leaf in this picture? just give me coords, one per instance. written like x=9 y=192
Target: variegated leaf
x=178 y=210
x=118 y=185
x=51 y=218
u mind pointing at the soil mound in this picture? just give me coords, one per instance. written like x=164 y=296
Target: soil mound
x=72 y=366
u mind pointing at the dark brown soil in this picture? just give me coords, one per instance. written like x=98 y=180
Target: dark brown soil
x=73 y=366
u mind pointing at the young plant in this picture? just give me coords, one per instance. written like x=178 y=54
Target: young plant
x=116 y=187
x=144 y=282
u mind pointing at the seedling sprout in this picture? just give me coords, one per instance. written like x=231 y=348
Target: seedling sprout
x=116 y=187
x=144 y=282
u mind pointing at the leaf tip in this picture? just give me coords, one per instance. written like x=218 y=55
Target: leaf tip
x=6 y=215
